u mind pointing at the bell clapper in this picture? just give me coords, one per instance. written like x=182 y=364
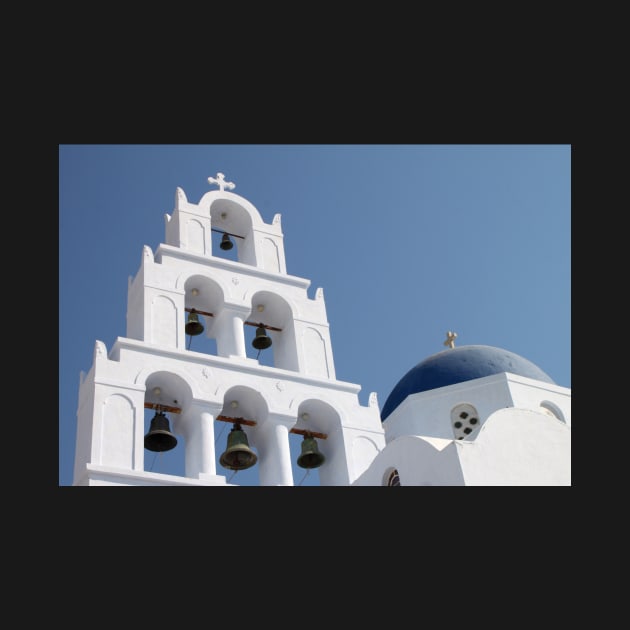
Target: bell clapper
x=153 y=462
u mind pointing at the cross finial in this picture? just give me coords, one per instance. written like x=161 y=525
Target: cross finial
x=450 y=339
x=220 y=182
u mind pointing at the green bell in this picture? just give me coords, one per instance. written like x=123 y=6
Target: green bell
x=193 y=325
x=226 y=243
x=310 y=456
x=261 y=341
x=159 y=438
x=238 y=455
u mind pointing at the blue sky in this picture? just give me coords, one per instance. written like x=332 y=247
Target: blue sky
x=407 y=242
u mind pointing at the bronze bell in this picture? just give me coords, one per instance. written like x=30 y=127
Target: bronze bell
x=159 y=438
x=226 y=243
x=310 y=456
x=238 y=455
x=261 y=341
x=193 y=325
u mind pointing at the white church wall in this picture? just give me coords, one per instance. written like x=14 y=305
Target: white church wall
x=514 y=447
x=429 y=413
x=518 y=447
x=419 y=462
x=171 y=228
x=352 y=446
x=85 y=424
x=531 y=394
x=96 y=475
x=271 y=256
x=314 y=352
x=189 y=227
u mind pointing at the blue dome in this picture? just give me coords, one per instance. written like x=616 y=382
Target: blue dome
x=457 y=365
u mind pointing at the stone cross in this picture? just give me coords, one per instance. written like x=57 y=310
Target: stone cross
x=220 y=182
x=450 y=339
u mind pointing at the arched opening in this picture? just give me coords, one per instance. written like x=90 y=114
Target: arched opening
x=166 y=394
x=391 y=477
x=552 y=410
x=243 y=409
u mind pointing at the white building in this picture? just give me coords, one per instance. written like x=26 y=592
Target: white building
x=471 y=415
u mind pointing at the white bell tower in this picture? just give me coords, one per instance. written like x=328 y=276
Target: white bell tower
x=156 y=366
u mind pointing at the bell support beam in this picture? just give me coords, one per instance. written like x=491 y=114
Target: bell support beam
x=196 y=310
x=228 y=233
x=264 y=326
x=315 y=434
x=252 y=423
x=249 y=423
x=161 y=407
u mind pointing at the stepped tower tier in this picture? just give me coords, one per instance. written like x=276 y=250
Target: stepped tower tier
x=257 y=243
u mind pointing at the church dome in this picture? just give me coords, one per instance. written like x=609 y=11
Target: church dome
x=457 y=365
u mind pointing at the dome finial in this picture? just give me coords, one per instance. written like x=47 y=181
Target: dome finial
x=450 y=339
